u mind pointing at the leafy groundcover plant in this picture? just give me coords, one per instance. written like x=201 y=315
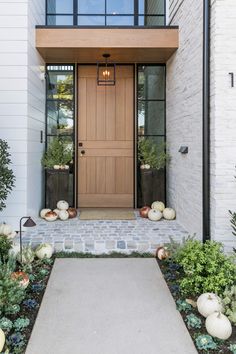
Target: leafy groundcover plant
x=194 y=268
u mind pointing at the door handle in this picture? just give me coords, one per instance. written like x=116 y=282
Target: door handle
x=82 y=153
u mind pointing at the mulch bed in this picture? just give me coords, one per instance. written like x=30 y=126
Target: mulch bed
x=172 y=277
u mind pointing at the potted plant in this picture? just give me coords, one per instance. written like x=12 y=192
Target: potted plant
x=152 y=160
x=56 y=161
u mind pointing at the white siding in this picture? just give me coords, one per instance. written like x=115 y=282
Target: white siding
x=19 y=67
x=223 y=120
x=184 y=115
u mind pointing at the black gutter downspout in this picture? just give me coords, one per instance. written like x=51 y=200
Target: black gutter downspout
x=206 y=232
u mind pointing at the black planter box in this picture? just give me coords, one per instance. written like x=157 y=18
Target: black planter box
x=152 y=186
x=57 y=187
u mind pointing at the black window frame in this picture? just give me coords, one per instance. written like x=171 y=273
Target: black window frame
x=136 y=16
x=138 y=136
x=73 y=135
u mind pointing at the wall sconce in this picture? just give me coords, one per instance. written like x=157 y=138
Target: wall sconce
x=183 y=149
x=106 y=72
x=28 y=223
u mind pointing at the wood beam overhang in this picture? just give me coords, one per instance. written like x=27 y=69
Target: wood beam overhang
x=126 y=45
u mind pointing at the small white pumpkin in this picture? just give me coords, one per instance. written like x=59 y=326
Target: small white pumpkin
x=208 y=303
x=5 y=229
x=67 y=167
x=169 y=214
x=147 y=167
x=2 y=340
x=158 y=206
x=154 y=215
x=219 y=326
x=63 y=215
x=142 y=167
x=56 y=167
x=45 y=250
x=57 y=211
x=43 y=212
x=62 y=205
x=51 y=216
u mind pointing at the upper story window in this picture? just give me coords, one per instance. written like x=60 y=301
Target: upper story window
x=105 y=13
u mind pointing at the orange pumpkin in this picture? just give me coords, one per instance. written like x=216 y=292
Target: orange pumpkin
x=22 y=277
x=162 y=253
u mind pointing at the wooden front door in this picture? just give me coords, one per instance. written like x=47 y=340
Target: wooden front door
x=106 y=139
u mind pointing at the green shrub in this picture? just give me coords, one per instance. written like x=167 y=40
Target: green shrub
x=5 y=246
x=58 y=153
x=11 y=294
x=7 y=178
x=206 y=268
x=152 y=154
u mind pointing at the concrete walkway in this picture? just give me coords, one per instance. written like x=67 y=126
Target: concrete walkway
x=108 y=306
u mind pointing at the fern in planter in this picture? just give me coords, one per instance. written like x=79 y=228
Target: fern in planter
x=7 y=178
x=151 y=154
x=57 y=154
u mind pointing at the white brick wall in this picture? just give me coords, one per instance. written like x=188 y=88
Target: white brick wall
x=21 y=103
x=184 y=115
x=223 y=119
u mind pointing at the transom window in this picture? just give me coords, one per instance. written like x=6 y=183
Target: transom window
x=105 y=13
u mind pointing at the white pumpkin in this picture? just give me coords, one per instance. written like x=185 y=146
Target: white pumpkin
x=51 y=216
x=2 y=340
x=43 y=212
x=154 y=215
x=158 y=206
x=169 y=214
x=208 y=303
x=63 y=215
x=147 y=167
x=62 y=205
x=44 y=251
x=5 y=229
x=56 y=167
x=219 y=326
x=57 y=211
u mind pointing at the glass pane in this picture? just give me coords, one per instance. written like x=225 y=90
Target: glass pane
x=52 y=117
x=151 y=118
x=120 y=20
x=60 y=20
x=152 y=7
x=60 y=86
x=120 y=7
x=93 y=7
x=60 y=6
x=151 y=20
x=91 y=20
x=66 y=122
x=151 y=82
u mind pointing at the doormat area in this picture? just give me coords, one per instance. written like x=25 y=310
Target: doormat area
x=107 y=214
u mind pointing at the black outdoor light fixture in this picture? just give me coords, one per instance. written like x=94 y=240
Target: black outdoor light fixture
x=106 y=72
x=28 y=223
